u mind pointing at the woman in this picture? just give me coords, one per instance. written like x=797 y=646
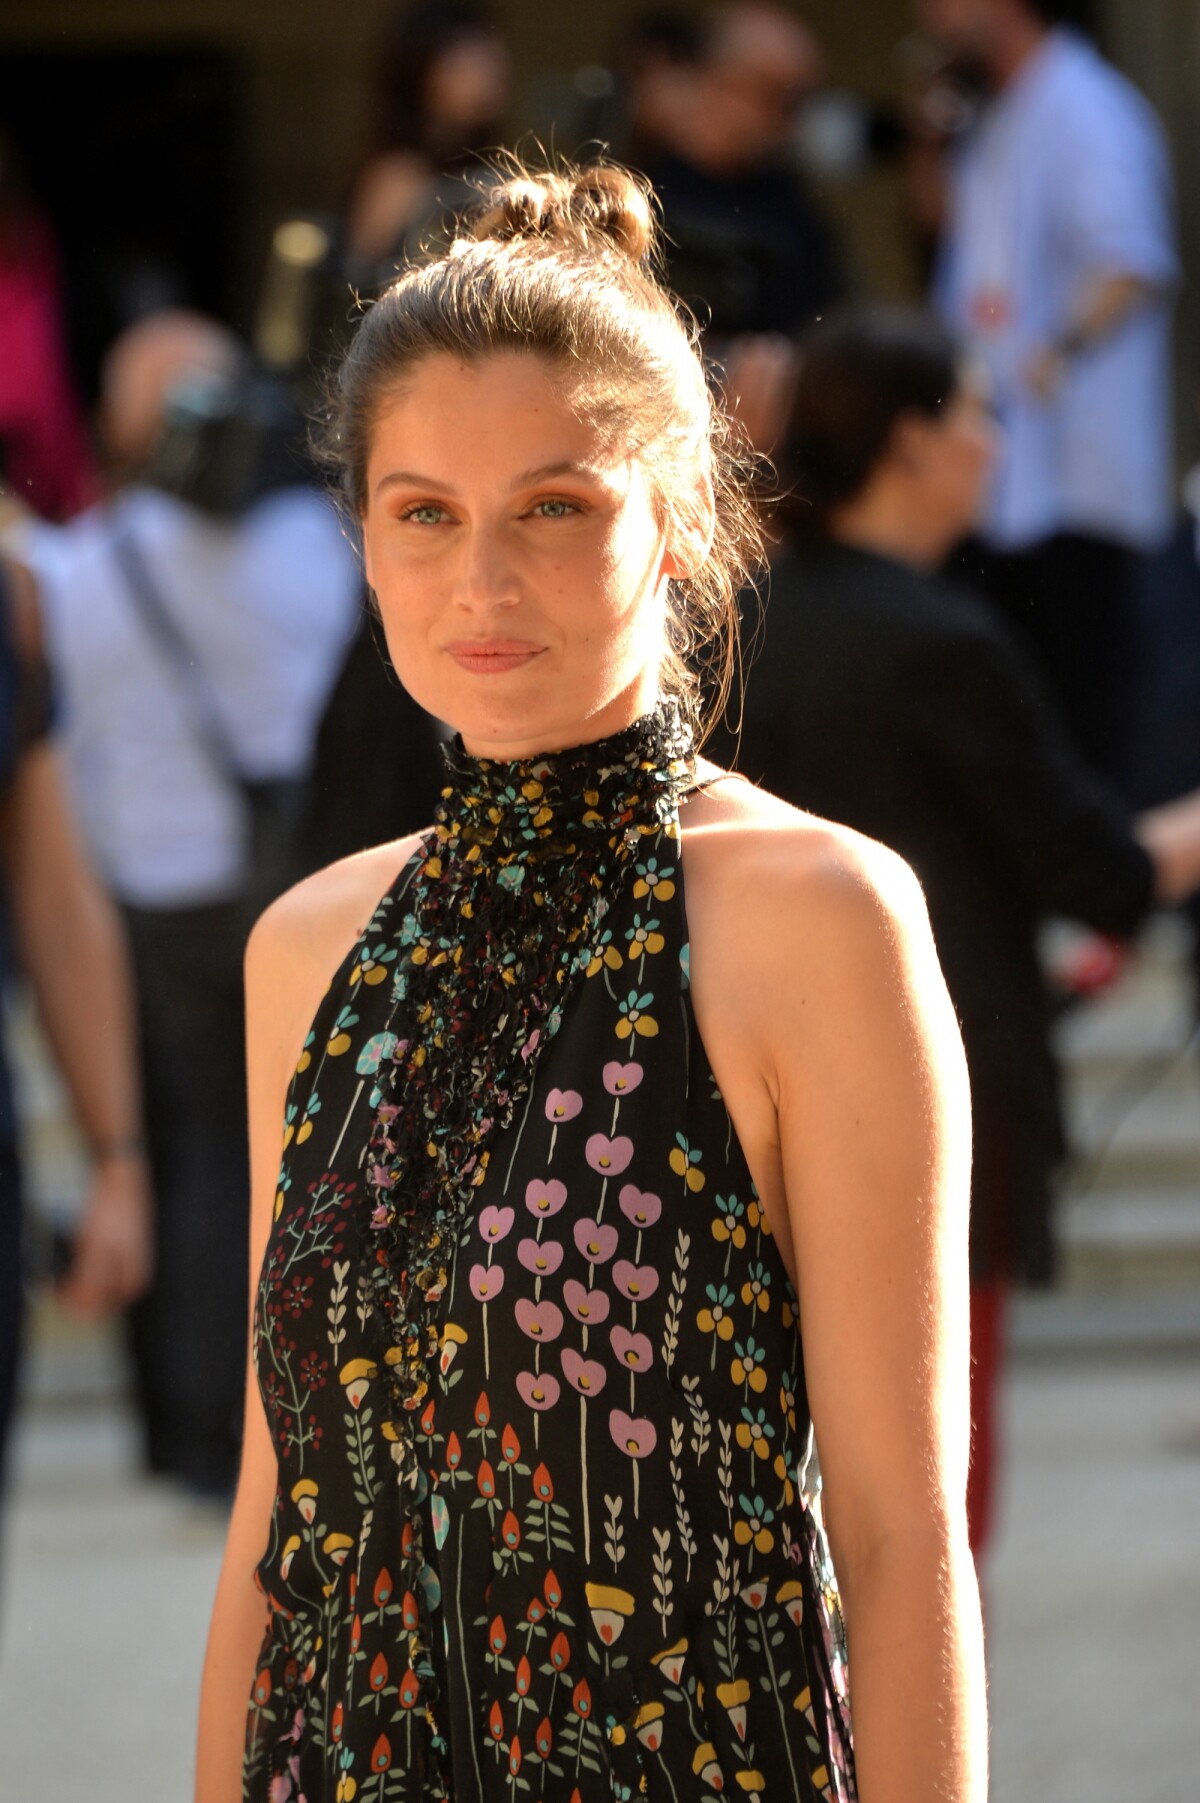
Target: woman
x=888 y=699
x=526 y=1482
x=444 y=83
x=57 y=922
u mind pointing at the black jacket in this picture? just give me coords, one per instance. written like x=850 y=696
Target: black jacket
x=891 y=702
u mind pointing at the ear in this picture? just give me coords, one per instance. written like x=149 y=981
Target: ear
x=690 y=533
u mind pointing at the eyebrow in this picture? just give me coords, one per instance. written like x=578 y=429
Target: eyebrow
x=412 y=478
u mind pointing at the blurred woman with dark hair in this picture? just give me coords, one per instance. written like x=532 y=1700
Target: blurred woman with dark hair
x=890 y=700
x=444 y=74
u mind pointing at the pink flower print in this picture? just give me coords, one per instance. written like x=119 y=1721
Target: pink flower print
x=486 y=1282
x=633 y=1350
x=540 y=1320
x=588 y=1306
x=545 y=1196
x=563 y=1105
x=595 y=1242
x=585 y=1375
x=622 y=1079
x=608 y=1156
x=632 y=1434
x=635 y=1281
x=542 y=1260
x=639 y=1206
x=538 y=1389
x=495 y=1222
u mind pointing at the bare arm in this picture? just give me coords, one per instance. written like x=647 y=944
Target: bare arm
x=1171 y=835
x=873 y=1114
x=293 y=949
x=1101 y=309
x=239 y=1619
x=73 y=950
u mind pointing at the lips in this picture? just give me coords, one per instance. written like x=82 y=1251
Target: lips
x=492 y=657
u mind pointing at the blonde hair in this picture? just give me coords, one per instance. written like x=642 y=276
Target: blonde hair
x=563 y=264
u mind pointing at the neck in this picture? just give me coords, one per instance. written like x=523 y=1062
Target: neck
x=889 y=526
x=1015 y=45
x=505 y=747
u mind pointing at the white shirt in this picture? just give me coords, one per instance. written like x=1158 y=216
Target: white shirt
x=1067 y=178
x=267 y=605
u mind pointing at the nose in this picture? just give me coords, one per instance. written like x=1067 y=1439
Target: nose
x=486 y=578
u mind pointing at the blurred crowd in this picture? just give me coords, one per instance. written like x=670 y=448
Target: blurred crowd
x=982 y=644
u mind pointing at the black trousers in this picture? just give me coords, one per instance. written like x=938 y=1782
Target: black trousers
x=1071 y=599
x=188 y=1334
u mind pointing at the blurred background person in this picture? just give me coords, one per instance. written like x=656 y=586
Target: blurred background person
x=59 y=929
x=656 y=57
x=747 y=243
x=45 y=456
x=884 y=697
x=443 y=89
x=1058 y=267
x=195 y=623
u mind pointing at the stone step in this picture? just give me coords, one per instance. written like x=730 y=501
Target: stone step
x=1099 y=1323
x=1130 y=1238
x=1155 y=1141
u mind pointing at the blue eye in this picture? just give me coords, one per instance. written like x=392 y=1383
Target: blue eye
x=554 y=510
x=426 y=514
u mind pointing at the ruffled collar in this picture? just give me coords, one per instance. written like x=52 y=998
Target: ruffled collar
x=504 y=911
x=557 y=801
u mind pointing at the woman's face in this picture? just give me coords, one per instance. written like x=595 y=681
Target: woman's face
x=519 y=567
x=467 y=87
x=957 y=456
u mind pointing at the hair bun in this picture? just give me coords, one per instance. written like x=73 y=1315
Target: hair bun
x=598 y=207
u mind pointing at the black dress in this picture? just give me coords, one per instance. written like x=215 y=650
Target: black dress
x=895 y=703
x=580 y=1556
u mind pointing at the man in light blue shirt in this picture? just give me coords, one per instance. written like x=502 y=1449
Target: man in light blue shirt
x=1057 y=268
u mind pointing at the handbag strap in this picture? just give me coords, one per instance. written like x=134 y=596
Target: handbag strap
x=172 y=642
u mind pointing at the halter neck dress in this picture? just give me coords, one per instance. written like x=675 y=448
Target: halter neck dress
x=579 y=1556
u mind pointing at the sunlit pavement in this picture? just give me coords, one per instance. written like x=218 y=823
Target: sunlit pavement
x=1093 y=1588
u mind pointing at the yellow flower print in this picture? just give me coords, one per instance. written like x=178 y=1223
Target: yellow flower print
x=372 y=966
x=781 y=1471
x=716 y=1317
x=653 y=881
x=754 y=1524
x=644 y=937
x=756 y=1215
x=452 y=1338
x=747 y=1366
x=728 y=1224
x=685 y=1162
x=304 y=1495
x=755 y=1431
x=606 y=954
x=756 y=1291
x=634 y=1018
x=339 y=1037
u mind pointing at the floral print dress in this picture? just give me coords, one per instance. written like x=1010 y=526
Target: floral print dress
x=582 y=1557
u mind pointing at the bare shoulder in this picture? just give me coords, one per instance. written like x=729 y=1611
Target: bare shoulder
x=815 y=982
x=311 y=927
x=782 y=879
x=297 y=945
